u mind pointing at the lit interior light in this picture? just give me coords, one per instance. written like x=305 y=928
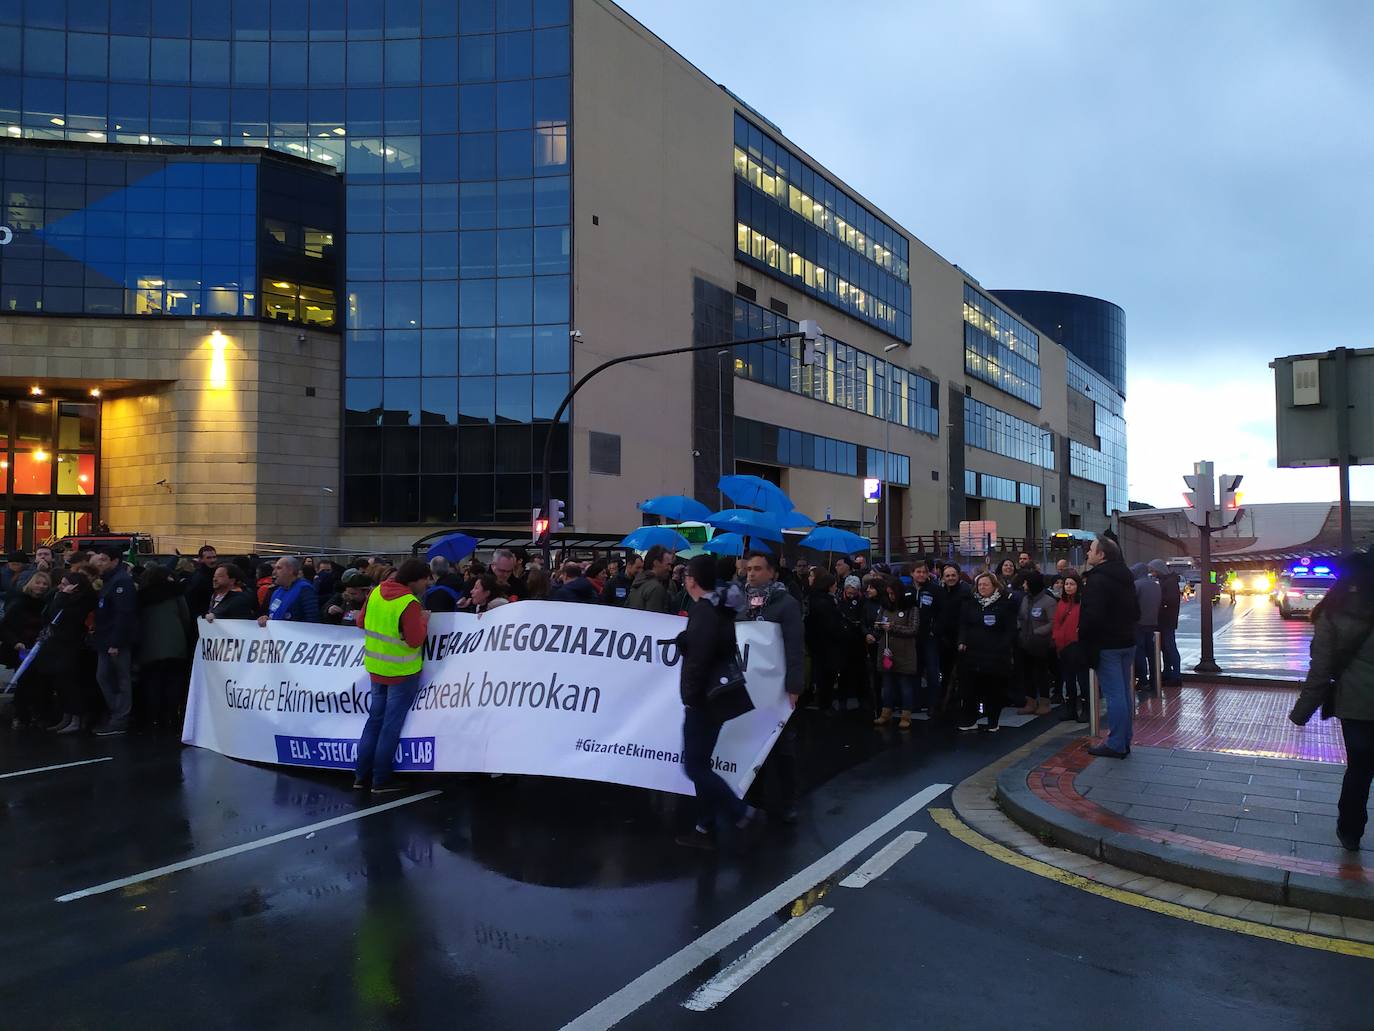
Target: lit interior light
x=4 y=463
x=95 y=391
x=219 y=369
x=282 y=286
x=143 y=139
x=36 y=391
x=83 y=478
x=340 y=130
x=40 y=455
x=57 y=121
x=95 y=135
x=14 y=130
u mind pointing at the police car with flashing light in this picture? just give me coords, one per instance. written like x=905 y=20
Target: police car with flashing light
x=1306 y=586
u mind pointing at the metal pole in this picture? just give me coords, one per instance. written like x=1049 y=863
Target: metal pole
x=1208 y=662
x=1159 y=661
x=1343 y=445
x=887 y=484
x=1094 y=704
x=546 y=481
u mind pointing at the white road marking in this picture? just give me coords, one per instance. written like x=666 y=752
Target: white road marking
x=884 y=859
x=247 y=846
x=720 y=987
x=59 y=766
x=648 y=985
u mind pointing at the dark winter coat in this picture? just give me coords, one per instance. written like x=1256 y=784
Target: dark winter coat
x=581 y=591
x=1110 y=609
x=165 y=630
x=116 y=614
x=949 y=608
x=61 y=653
x=924 y=598
x=1341 y=637
x=825 y=631
x=1035 y=624
x=199 y=588
x=650 y=594
x=987 y=634
x=1169 y=601
x=443 y=595
x=22 y=621
x=903 y=629
x=707 y=641
x=774 y=604
x=235 y=605
x=617 y=590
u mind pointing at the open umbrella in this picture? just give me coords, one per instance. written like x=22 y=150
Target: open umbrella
x=726 y=544
x=748 y=522
x=830 y=538
x=647 y=536
x=676 y=507
x=756 y=492
x=455 y=547
x=796 y=521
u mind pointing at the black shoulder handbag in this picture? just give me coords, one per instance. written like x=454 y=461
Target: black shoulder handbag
x=727 y=697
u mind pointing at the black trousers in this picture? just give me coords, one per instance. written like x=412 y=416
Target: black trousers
x=824 y=672
x=1353 y=807
x=1073 y=670
x=1033 y=675
x=162 y=692
x=33 y=697
x=988 y=688
x=700 y=731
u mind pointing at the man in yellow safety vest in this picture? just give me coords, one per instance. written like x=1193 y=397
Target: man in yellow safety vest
x=394 y=625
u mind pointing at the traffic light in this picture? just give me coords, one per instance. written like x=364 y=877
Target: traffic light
x=1230 y=499
x=539 y=526
x=555 y=520
x=1199 y=499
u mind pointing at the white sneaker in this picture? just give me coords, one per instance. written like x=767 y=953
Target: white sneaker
x=971 y=726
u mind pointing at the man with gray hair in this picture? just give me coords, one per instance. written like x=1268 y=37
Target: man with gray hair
x=294 y=597
x=446 y=591
x=508 y=582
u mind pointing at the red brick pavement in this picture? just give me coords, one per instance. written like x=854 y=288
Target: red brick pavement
x=1233 y=720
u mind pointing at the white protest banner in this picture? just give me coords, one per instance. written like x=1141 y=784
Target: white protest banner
x=534 y=687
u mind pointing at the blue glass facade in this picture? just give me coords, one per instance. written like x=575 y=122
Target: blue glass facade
x=794 y=223
x=450 y=120
x=1088 y=327
x=776 y=445
x=999 y=348
x=991 y=429
x=841 y=375
x=1106 y=463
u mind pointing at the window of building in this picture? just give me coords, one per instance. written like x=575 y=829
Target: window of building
x=991 y=429
x=999 y=348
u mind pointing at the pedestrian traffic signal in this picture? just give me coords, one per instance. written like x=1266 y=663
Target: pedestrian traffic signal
x=555 y=520
x=539 y=526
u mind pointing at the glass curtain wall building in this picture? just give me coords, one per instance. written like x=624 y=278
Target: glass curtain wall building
x=450 y=120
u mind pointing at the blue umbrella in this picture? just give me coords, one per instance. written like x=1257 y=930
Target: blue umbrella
x=726 y=544
x=676 y=507
x=455 y=547
x=647 y=536
x=830 y=538
x=748 y=522
x=756 y=492
x=796 y=521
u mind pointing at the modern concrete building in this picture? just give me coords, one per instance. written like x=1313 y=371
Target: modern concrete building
x=505 y=194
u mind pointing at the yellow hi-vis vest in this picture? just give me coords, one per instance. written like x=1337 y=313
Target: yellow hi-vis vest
x=386 y=652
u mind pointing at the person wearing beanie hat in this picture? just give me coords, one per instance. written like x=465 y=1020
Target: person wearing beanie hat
x=852 y=581
x=1170 y=598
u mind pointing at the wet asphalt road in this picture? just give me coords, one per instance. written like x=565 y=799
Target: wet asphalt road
x=521 y=903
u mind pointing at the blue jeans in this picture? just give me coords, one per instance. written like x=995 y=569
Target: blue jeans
x=1145 y=654
x=1168 y=648
x=928 y=659
x=385 y=717
x=1114 y=678
x=899 y=686
x=700 y=731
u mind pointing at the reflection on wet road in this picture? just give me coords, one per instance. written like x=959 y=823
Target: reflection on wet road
x=1250 y=638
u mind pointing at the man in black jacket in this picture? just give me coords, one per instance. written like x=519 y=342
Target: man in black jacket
x=620 y=577
x=1106 y=630
x=770 y=602
x=1169 y=601
x=201 y=584
x=946 y=605
x=116 y=630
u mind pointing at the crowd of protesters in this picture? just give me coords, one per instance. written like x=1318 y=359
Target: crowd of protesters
x=923 y=641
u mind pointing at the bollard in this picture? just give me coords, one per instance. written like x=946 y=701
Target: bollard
x=1159 y=663
x=1094 y=703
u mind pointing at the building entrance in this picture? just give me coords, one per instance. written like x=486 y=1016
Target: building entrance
x=49 y=469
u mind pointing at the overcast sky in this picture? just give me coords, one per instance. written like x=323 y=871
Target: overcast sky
x=1207 y=166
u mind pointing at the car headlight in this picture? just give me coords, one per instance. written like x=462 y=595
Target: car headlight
x=1261 y=584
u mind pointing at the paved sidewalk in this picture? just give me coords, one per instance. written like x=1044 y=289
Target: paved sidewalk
x=1251 y=814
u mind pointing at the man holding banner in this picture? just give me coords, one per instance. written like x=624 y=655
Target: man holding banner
x=395 y=626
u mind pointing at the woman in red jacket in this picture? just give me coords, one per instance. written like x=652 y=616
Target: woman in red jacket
x=1073 y=663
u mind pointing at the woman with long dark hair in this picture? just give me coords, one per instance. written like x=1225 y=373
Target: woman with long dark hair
x=1073 y=662
x=1340 y=680
x=63 y=660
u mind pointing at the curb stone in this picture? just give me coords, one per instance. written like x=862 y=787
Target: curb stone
x=1171 y=862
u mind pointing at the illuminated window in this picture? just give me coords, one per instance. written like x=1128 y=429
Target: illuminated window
x=76 y=474
x=32 y=472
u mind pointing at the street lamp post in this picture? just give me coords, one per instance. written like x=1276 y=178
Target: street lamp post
x=887 y=465
x=808 y=334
